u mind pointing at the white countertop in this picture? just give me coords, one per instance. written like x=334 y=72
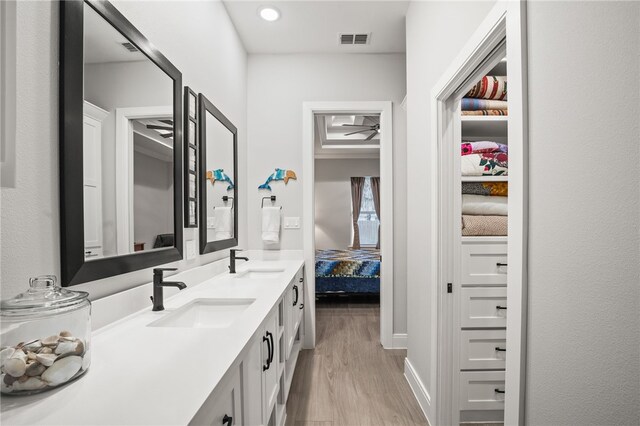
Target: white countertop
x=156 y=375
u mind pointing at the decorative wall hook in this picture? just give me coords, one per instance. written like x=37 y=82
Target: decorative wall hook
x=279 y=174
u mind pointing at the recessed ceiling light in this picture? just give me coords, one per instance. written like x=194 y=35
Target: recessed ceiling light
x=269 y=13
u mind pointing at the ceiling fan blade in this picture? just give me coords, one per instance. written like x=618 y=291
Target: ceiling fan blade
x=359 y=131
x=167 y=135
x=169 y=122
x=371 y=136
x=355 y=125
x=154 y=127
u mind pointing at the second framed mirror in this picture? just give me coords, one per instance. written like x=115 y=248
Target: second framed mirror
x=218 y=179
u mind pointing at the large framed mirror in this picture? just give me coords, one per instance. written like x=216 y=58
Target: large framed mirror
x=120 y=146
x=218 y=179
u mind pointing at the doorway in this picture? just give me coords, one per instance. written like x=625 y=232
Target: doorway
x=371 y=135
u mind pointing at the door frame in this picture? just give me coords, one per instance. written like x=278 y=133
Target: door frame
x=385 y=109
x=124 y=169
x=506 y=19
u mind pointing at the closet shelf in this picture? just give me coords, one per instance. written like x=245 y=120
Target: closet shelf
x=485 y=178
x=484 y=118
x=484 y=239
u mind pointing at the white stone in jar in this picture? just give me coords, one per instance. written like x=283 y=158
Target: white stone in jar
x=62 y=370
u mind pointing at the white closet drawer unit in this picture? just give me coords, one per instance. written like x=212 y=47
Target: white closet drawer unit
x=483 y=307
x=481 y=263
x=483 y=349
x=482 y=390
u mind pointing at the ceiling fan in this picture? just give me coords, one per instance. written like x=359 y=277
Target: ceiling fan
x=374 y=128
x=167 y=125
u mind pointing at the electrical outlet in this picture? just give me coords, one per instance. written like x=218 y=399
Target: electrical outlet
x=292 y=223
x=191 y=249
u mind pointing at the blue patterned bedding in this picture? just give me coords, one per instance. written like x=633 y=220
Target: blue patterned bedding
x=348 y=271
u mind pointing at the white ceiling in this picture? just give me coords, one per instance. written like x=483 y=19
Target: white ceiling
x=312 y=26
x=330 y=140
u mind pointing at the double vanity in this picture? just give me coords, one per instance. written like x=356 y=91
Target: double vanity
x=223 y=352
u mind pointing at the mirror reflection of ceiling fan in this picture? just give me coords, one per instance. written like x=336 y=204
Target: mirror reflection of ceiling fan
x=164 y=128
x=374 y=127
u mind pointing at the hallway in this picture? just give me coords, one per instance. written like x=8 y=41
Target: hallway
x=348 y=379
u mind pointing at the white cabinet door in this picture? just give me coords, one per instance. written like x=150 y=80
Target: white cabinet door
x=288 y=300
x=252 y=383
x=483 y=307
x=270 y=362
x=483 y=349
x=224 y=406
x=484 y=264
x=92 y=159
x=298 y=308
x=482 y=390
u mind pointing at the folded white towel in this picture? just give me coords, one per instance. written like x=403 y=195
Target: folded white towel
x=488 y=205
x=271 y=224
x=223 y=223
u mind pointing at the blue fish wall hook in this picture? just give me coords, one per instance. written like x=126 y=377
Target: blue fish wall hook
x=220 y=175
x=279 y=174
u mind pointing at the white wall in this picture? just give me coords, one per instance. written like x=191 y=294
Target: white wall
x=583 y=324
x=584 y=261
x=277 y=87
x=431 y=47
x=200 y=40
x=333 y=198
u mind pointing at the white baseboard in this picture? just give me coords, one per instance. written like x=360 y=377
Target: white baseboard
x=419 y=391
x=399 y=341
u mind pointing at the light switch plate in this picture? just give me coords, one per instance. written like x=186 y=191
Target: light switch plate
x=191 y=249
x=292 y=223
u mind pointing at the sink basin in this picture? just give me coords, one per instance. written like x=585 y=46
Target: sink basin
x=260 y=273
x=205 y=313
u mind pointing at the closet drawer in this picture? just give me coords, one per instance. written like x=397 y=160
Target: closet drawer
x=483 y=307
x=480 y=263
x=480 y=390
x=483 y=349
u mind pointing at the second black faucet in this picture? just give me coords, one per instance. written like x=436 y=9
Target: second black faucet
x=232 y=260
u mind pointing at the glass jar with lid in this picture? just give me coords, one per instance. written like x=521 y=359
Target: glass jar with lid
x=45 y=337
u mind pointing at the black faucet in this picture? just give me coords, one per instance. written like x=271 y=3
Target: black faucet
x=158 y=283
x=232 y=260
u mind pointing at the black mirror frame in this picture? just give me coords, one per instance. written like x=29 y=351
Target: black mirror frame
x=74 y=268
x=205 y=106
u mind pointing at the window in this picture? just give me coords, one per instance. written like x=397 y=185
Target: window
x=368 y=221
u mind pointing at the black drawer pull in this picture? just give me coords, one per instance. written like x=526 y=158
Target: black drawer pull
x=273 y=347
x=501 y=308
x=301 y=280
x=500 y=264
x=500 y=349
x=295 y=288
x=227 y=420
x=301 y=305
x=266 y=339
x=498 y=390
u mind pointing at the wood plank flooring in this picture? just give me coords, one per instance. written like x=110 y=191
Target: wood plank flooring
x=348 y=379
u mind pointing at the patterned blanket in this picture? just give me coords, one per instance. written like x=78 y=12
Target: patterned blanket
x=348 y=263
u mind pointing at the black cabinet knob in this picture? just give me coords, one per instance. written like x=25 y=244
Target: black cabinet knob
x=498 y=390
x=500 y=349
x=227 y=420
x=501 y=308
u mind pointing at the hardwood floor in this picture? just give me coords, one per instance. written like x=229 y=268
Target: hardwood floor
x=348 y=379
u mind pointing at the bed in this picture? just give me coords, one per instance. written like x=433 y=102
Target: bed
x=348 y=271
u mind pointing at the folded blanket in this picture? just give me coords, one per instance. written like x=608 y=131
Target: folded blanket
x=470 y=104
x=479 y=147
x=500 y=189
x=490 y=87
x=481 y=205
x=484 y=225
x=486 y=164
x=486 y=112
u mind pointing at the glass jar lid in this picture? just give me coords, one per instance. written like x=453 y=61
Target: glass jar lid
x=43 y=295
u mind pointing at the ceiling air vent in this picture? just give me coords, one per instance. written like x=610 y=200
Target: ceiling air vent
x=130 y=47
x=351 y=39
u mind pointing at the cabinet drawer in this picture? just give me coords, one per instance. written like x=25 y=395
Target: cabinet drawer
x=223 y=405
x=478 y=390
x=483 y=307
x=483 y=349
x=480 y=263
